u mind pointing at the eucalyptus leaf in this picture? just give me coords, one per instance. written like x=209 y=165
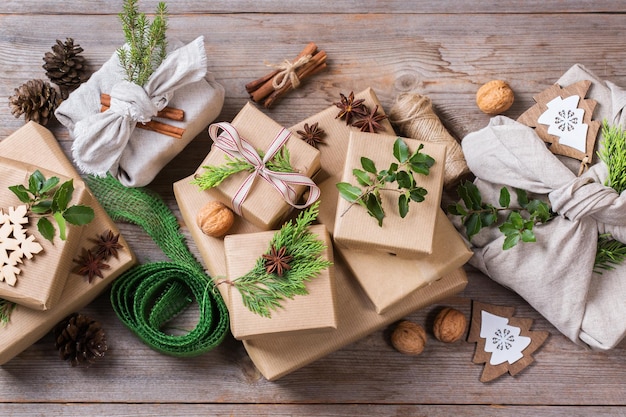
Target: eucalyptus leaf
x=400 y=150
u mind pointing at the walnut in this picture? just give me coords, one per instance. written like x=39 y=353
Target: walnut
x=449 y=325
x=215 y=219
x=408 y=338
x=495 y=97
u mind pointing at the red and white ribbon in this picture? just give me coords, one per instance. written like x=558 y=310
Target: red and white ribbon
x=235 y=146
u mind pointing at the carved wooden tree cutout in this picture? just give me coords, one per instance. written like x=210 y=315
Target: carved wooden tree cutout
x=503 y=343
x=564 y=122
x=15 y=244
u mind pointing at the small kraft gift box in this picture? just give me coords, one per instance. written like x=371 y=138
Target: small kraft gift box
x=263 y=194
x=312 y=312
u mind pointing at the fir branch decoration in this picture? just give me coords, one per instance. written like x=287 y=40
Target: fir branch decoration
x=6 y=308
x=214 y=175
x=374 y=181
x=47 y=199
x=518 y=225
x=262 y=289
x=613 y=154
x=610 y=252
x=146 y=41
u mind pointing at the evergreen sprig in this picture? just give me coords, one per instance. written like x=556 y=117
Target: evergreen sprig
x=263 y=292
x=609 y=252
x=47 y=199
x=518 y=225
x=613 y=154
x=374 y=181
x=214 y=175
x=146 y=41
x=6 y=308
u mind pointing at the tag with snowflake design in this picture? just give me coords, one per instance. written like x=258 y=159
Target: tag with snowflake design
x=503 y=343
x=15 y=243
x=563 y=119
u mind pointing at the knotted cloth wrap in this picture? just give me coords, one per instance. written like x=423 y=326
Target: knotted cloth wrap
x=108 y=141
x=148 y=296
x=555 y=274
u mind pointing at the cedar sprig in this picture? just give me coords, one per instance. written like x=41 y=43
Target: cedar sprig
x=613 y=154
x=6 y=308
x=146 y=41
x=263 y=292
x=214 y=175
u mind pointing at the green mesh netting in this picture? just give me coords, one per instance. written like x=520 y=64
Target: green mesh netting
x=148 y=296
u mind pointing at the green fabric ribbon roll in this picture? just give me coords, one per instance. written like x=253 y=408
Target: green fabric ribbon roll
x=148 y=296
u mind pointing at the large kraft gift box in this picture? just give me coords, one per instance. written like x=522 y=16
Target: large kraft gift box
x=37 y=146
x=405 y=237
x=356 y=315
x=313 y=312
x=263 y=206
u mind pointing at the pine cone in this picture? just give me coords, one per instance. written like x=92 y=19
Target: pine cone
x=65 y=67
x=36 y=100
x=80 y=339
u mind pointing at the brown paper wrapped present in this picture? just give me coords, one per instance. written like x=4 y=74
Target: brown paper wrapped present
x=36 y=145
x=313 y=312
x=40 y=279
x=263 y=205
x=405 y=237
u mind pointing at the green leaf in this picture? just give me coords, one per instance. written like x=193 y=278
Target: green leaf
x=470 y=195
x=42 y=207
x=418 y=194
x=49 y=184
x=21 y=192
x=35 y=182
x=46 y=228
x=403 y=205
x=510 y=241
x=528 y=236
x=457 y=209
x=505 y=197
x=522 y=197
x=62 y=196
x=58 y=216
x=517 y=220
x=400 y=150
x=405 y=180
x=473 y=224
x=393 y=168
x=421 y=162
x=374 y=208
x=362 y=177
x=368 y=165
x=507 y=228
x=78 y=215
x=488 y=219
x=349 y=191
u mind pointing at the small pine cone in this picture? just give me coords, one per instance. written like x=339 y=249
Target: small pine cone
x=36 y=100
x=80 y=339
x=65 y=66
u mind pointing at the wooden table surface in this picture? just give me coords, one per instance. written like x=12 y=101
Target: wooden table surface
x=443 y=49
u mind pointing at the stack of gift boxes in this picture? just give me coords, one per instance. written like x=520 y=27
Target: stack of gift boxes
x=378 y=274
x=47 y=287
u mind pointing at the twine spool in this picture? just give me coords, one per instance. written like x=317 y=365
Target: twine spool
x=414 y=116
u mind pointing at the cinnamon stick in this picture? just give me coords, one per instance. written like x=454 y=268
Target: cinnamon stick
x=158 y=127
x=170 y=113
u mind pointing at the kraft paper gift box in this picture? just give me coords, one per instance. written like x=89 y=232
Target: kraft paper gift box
x=263 y=206
x=40 y=279
x=313 y=312
x=37 y=146
x=405 y=237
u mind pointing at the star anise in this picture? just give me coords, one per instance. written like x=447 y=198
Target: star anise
x=312 y=134
x=350 y=108
x=277 y=261
x=90 y=265
x=107 y=245
x=370 y=121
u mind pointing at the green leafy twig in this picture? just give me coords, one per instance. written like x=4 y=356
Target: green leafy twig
x=476 y=214
x=374 y=181
x=214 y=175
x=6 y=308
x=47 y=199
x=146 y=41
x=263 y=292
x=613 y=154
x=610 y=252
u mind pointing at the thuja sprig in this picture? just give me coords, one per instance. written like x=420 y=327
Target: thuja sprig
x=518 y=225
x=47 y=199
x=214 y=175
x=146 y=41
x=262 y=291
x=374 y=181
x=613 y=154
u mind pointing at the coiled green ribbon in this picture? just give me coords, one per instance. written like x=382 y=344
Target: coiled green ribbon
x=148 y=296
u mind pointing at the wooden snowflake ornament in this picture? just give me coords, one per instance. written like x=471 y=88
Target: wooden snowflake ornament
x=15 y=244
x=503 y=343
x=562 y=118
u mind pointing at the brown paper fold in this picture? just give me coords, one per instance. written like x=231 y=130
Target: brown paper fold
x=37 y=146
x=263 y=206
x=309 y=313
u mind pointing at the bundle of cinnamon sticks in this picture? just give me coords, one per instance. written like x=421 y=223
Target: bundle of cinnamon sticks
x=169 y=113
x=309 y=62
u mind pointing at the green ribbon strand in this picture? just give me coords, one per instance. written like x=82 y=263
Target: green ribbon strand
x=148 y=296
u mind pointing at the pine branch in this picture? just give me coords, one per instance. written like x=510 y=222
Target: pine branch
x=6 y=308
x=610 y=252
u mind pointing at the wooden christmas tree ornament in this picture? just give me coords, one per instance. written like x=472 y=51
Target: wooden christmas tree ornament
x=503 y=343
